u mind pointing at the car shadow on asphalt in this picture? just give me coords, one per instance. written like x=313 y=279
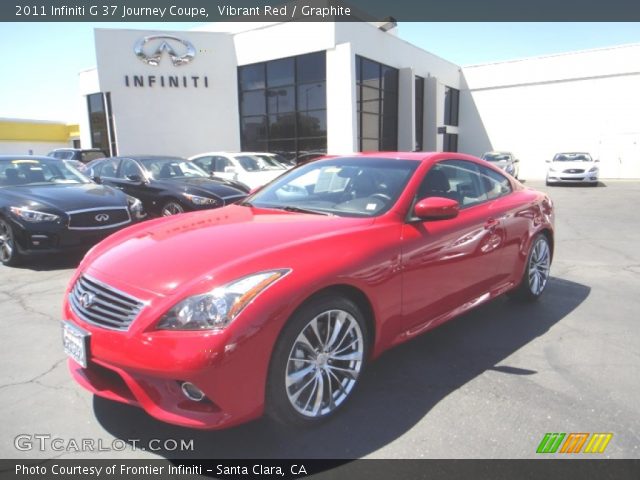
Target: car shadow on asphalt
x=396 y=391
x=47 y=263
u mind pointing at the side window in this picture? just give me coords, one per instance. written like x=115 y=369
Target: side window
x=463 y=182
x=107 y=169
x=221 y=163
x=129 y=169
x=493 y=184
x=206 y=163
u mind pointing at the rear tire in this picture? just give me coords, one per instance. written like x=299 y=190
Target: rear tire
x=9 y=254
x=536 y=272
x=317 y=362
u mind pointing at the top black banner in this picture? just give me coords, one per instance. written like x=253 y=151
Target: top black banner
x=316 y=10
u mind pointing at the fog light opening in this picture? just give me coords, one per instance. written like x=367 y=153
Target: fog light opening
x=192 y=392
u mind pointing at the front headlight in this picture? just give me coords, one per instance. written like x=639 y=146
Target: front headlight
x=33 y=216
x=197 y=200
x=135 y=207
x=218 y=308
x=553 y=170
x=593 y=169
x=509 y=169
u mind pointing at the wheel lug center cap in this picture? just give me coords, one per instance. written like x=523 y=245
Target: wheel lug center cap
x=322 y=359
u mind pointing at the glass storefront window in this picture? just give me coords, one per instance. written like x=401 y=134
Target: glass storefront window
x=283 y=105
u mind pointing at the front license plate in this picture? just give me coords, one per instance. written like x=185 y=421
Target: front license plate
x=75 y=342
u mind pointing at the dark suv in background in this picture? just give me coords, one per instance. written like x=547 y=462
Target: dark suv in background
x=84 y=155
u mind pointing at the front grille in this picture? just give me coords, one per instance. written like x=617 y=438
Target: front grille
x=571 y=179
x=102 y=305
x=98 y=218
x=573 y=170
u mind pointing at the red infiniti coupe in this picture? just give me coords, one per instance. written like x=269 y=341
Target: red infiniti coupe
x=276 y=304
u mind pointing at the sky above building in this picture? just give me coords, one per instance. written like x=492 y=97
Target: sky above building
x=42 y=60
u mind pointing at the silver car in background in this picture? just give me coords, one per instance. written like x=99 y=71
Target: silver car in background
x=504 y=160
x=573 y=167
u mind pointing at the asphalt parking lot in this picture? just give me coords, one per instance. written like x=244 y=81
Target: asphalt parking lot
x=489 y=384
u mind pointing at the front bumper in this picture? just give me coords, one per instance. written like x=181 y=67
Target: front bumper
x=47 y=238
x=146 y=369
x=562 y=177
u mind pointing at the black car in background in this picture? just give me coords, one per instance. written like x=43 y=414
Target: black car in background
x=47 y=206
x=84 y=155
x=166 y=185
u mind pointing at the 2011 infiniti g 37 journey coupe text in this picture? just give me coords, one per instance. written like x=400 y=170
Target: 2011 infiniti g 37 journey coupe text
x=276 y=304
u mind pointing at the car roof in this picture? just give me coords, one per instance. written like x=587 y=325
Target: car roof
x=227 y=154
x=77 y=150
x=150 y=157
x=419 y=156
x=27 y=157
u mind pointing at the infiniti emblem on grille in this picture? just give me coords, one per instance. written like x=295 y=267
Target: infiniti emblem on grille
x=87 y=299
x=102 y=217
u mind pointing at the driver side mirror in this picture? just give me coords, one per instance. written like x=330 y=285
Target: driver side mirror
x=547 y=161
x=135 y=178
x=436 y=208
x=96 y=179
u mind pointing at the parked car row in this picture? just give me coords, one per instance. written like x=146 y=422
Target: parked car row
x=75 y=197
x=565 y=167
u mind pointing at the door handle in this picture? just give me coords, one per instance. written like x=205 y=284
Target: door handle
x=491 y=224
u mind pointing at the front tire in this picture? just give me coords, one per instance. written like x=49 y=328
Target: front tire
x=9 y=254
x=317 y=362
x=536 y=273
x=171 y=207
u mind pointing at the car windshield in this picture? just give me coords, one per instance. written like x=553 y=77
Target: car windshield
x=269 y=163
x=251 y=163
x=350 y=187
x=33 y=171
x=172 y=168
x=496 y=157
x=572 y=157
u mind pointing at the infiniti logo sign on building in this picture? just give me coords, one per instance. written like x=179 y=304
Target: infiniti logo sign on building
x=164 y=44
x=152 y=50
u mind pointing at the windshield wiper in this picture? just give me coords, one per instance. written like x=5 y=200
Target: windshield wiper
x=245 y=203
x=291 y=208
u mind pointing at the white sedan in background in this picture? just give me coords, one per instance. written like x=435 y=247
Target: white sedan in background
x=573 y=167
x=243 y=167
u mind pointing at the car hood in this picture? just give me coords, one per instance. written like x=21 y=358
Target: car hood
x=201 y=186
x=570 y=165
x=65 y=197
x=163 y=255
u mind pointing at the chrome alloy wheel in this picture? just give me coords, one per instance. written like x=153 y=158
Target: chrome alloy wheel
x=6 y=242
x=539 y=263
x=324 y=363
x=172 y=208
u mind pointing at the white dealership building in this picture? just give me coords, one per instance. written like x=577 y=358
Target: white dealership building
x=298 y=87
